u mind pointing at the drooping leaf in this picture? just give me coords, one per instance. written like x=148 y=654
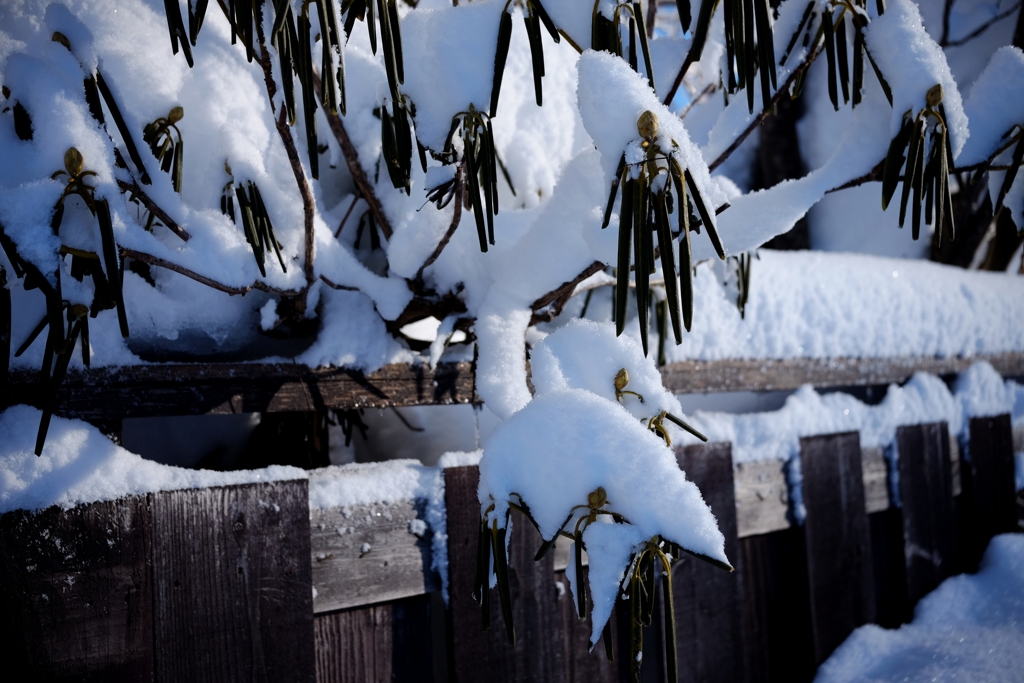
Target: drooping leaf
x=894 y=160
x=500 y=57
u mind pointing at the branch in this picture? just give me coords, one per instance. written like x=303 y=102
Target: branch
x=333 y=285
x=354 y=167
x=874 y=175
x=766 y=111
x=134 y=189
x=698 y=99
x=202 y=279
x=565 y=289
x=678 y=81
x=285 y=131
x=984 y=27
x=945 y=22
x=456 y=218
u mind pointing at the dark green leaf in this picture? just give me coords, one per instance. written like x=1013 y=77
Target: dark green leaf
x=796 y=34
x=1011 y=173
x=580 y=585
x=176 y=27
x=858 y=64
x=32 y=335
x=683 y=7
x=918 y=185
x=671 y=657
x=685 y=425
x=830 y=57
x=545 y=19
x=700 y=33
x=122 y=128
x=916 y=141
x=668 y=266
x=500 y=56
x=613 y=192
x=707 y=219
x=111 y=261
x=396 y=39
x=685 y=263
x=536 y=55
x=894 y=161
x=842 y=59
x=638 y=13
x=626 y=214
x=501 y=570
x=749 y=53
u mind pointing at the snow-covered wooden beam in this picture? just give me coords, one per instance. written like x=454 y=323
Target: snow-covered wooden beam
x=691 y=377
x=198 y=389
x=215 y=388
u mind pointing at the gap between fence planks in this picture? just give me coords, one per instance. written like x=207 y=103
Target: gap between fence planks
x=218 y=388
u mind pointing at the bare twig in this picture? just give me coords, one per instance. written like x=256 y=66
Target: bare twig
x=456 y=218
x=202 y=279
x=355 y=200
x=133 y=189
x=697 y=100
x=285 y=132
x=784 y=90
x=874 y=175
x=945 y=22
x=333 y=285
x=679 y=80
x=354 y=167
x=565 y=289
x=981 y=29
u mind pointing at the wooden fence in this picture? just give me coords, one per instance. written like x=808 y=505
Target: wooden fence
x=246 y=583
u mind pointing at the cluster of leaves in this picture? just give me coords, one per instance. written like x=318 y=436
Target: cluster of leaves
x=606 y=35
x=104 y=268
x=924 y=139
x=534 y=15
x=652 y=191
x=481 y=161
x=256 y=223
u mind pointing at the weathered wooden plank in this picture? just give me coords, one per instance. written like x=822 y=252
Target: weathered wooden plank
x=197 y=389
x=772 y=375
x=76 y=600
x=478 y=655
x=762 y=497
x=775 y=608
x=383 y=643
x=926 y=497
x=369 y=553
x=838 y=549
x=581 y=664
x=709 y=633
x=992 y=504
x=233 y=598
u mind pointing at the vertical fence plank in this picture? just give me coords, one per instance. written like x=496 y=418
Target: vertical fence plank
x=75 y=593
x=580 y=663
x=775 y=607
x=376 y=644
x=992 y=481
x=478 y=655
x=232 y=583
x=709 y=633
x=838 y=551
x=929 y=516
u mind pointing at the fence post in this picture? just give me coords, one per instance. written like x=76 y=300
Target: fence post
x=76 y=598
x=709 y=635
x=232 y=583
x=838 y=549
x=929 y=515
x=989 y=484
x=477 y=655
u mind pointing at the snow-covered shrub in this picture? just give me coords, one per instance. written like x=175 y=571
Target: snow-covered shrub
x=307 y=166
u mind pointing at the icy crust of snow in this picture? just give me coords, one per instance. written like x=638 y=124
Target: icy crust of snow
x=574 y=437
x=80 y=465
x=914 y=68
x=994 y=105
x=824 y=305
x=970 y=628
x=567 y=443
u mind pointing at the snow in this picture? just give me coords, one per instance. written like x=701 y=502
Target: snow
x=574 y=437
x=823 y=305
x=80 y=465
x=970 y=628
x=995 y=104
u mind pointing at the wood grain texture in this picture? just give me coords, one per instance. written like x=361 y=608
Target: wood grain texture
x=197 y=389
x=762 y=497
x=476 y=655
x=991 y=505
x=232 y=583
x=772 y=375
x=709 y=634
x=582 y=664
x=376 y=644
x=366 y=553
x=75 y=593
x=929 y=516
x=839 y=564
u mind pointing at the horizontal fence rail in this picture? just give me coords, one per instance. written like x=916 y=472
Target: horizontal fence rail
x=246 y=583
x=104 y=394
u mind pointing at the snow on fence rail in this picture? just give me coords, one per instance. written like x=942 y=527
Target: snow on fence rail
x=248 y=582
x=104 y=394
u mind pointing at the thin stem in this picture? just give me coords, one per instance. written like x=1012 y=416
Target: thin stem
x=202 y=279
x=456 y=219
x=981 y=29
x=359 y=177
x=759 y=119
x=133 y=189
